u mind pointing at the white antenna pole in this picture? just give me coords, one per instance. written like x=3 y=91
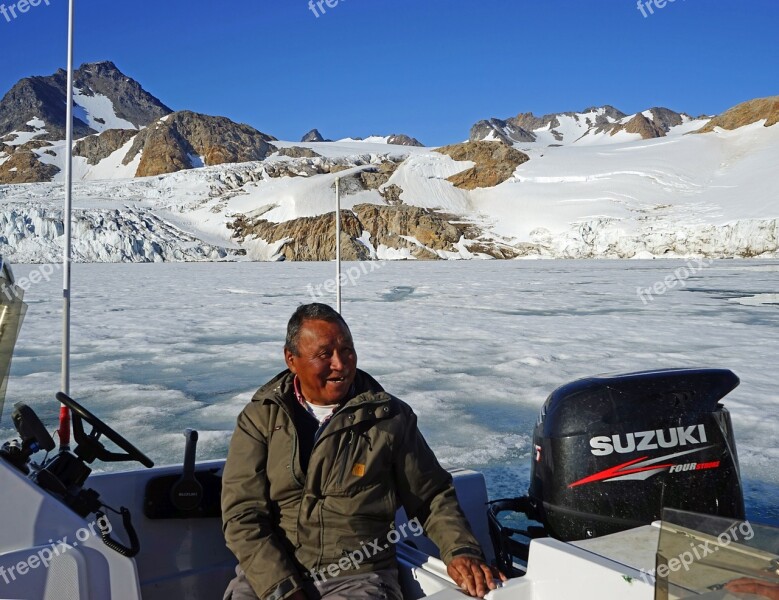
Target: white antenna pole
x=338 y=244
x=64 y=431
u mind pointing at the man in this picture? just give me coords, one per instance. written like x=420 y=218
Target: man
x=319 y=462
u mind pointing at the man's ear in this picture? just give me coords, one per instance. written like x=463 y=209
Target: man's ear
x=290 y=358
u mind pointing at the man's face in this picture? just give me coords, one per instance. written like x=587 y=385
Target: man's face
x=326 y=362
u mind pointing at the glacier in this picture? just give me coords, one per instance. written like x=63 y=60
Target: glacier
x=679 y=196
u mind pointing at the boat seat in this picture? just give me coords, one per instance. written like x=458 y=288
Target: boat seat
x=472 y=496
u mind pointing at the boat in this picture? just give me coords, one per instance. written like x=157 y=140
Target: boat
x=632 y=475
x=635 y=494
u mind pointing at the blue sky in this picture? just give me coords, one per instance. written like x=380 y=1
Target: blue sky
x=428 y=68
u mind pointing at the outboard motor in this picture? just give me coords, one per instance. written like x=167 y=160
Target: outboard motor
x=610 y=452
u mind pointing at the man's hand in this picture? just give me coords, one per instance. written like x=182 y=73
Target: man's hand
x=474 y=576
x=745 y=585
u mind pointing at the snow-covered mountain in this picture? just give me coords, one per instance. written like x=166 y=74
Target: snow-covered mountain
x=122 y=131
x=708 y=194
x=104 y=98
x=194 y=187
x=395 y=139
x=597 y=125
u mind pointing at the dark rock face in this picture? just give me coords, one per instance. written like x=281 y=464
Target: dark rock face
x=164 y=149
x=373 y=176
x=665 y=118
x=313 y=136
x=373 y=179
x=44 y=98
x=131 y=102
x=170 y=144
x=313 y=238
x=552 y=120
x=400 y=139
x=644 y=127
x=531 y=122
x=521 y=127
x=387 y=223
x=495 y=163
x=661 y=121
x=391 y=194
x=504 y=131
x=298 y=152
x=97 y=147
x=297 y=169
x=610 y=114
x=309 y=238
x=746 y=113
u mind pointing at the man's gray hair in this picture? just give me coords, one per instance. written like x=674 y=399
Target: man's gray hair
x=316 y=311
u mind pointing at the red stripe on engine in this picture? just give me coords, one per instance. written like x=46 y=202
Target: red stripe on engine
x=617 y=471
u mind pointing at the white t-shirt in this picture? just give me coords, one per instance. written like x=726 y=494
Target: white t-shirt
x=320 y=413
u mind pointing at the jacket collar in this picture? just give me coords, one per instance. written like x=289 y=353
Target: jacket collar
x=280 y=390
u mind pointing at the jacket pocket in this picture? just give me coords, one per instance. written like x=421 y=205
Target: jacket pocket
x=364 y=536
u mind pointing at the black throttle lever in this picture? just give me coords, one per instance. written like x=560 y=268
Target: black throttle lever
x=187 y=493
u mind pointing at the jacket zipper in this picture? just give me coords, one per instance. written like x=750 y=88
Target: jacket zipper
x=345 y=459
x=301 y=484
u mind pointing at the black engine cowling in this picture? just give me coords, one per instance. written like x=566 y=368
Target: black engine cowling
x=612 y=451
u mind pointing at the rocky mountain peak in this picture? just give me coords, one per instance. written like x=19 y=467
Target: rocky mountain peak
x=594 y=120
x=401 y=139
x=43 y=98
x=498 y=129
x=665 y=118
x=313 y=136
x=101 y=68
x=746 y=113
x=639 y=124
x=651 y=123
x=608 y=112
x=185 y=139
x=130 y=101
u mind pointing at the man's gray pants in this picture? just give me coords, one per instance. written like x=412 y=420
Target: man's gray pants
x=374 y=585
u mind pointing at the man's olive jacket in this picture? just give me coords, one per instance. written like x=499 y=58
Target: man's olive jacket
x=285 y=525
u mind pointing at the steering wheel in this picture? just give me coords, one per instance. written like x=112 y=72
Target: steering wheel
x=89 y=447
